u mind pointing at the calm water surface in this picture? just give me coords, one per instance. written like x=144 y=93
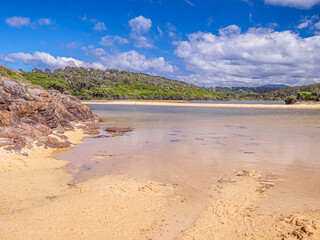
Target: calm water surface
x=191 y=147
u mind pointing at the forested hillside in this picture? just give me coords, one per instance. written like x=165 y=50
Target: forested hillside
x=250 y=93
x=313 y=89
x=114 y=84
x=265 y=93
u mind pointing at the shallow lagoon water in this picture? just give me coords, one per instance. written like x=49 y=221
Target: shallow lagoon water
x=191 y=147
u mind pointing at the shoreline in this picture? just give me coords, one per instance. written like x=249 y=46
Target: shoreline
x=209 y=105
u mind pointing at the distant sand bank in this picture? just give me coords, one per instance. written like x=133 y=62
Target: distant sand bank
x=39 y=200
x=216 y=105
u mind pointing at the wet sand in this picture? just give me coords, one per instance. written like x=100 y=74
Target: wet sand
x=211 y=105
x=39 y=200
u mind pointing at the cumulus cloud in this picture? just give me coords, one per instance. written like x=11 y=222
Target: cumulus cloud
x=43 y=59
x=301 y=4
x=142 y=42
x=131 y=60
x=99 y=26
x=19 y=22
x=110 y=40
x=139 y=27
x=258 y=56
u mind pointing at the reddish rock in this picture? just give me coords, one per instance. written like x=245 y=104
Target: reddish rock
x=29 y=113
x=6 y=142
x=91 y=132
x=64 y=137
x=118 y=131
x=52 y=142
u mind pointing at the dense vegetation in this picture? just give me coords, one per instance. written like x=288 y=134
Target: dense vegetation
x=266 y=93
x=303 y=96
x=302 y=93
x=251 y=93
x=92 y=84
x=6 y=72
x=114 y=84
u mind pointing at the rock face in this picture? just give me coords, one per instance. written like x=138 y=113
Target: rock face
x=29 y=114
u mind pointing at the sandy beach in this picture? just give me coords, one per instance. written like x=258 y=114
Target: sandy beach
x=211 y=105
x=40 y=201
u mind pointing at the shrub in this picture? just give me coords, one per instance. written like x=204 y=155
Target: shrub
x=291 y=99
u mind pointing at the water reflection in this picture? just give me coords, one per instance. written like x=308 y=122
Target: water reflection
x=180 y=144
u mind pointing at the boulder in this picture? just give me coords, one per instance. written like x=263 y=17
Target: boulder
x=29 y=114
x=118 y=131
x=52 y=142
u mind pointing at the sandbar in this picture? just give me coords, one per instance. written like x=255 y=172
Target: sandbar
x=208 y=105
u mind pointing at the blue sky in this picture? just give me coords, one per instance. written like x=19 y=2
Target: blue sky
x=208 y=43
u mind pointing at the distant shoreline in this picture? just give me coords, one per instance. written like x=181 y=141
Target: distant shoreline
x=216 y=105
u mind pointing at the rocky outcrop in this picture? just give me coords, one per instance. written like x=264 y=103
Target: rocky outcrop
x=118 y=131
x=28 y=114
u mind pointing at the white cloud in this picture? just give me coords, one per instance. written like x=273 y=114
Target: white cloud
x=311 y=23
x=160 y=31
x=139 y=27
x=306 y=23
x=230 y=30
x=44 y=21
x=210 y=21
x=172 y=30
x=131 y=61
x=84 y=18
x=43 y=59
x=18 y=22
x=317 y=25
x=142 y=42
x=301 y=4
x=248 y=2
x=189 y=2
x=261 y=55
x=72 y=45
x=99 y=26
x=110 y=40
